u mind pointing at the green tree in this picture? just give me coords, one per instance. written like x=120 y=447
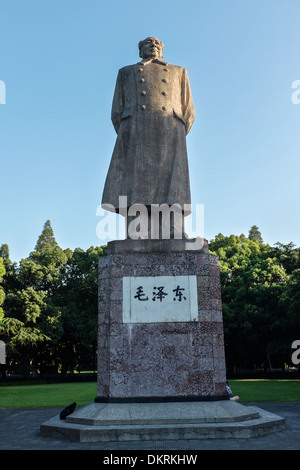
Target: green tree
x=32 y=323
x=2 y=294
x=9 y=283
x=46 y=241
x=291 y=300
x=254 y=234
x=51 y=306
x=77 y=298
x=252 y=282
x=288 y=255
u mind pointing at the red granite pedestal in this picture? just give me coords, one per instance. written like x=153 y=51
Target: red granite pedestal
x=160 y=360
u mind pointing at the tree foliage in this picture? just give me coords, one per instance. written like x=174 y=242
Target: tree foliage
x=50 y=306
x=255 y=280
x=254 y=234
x=2 y=294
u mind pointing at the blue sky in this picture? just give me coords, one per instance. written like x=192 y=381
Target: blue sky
x=59 y=61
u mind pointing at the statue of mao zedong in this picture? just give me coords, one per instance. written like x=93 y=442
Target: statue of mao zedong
x=152 y=112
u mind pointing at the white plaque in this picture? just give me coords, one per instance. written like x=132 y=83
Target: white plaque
x=160 y=299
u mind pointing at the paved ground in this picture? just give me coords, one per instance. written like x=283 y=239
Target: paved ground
x=19 y=430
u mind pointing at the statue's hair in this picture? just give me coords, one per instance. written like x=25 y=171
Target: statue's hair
x=141 y=43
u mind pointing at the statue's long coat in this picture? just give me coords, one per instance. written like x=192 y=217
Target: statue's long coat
x=152 y=112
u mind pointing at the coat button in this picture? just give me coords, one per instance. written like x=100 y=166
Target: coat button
x=143 y=107
x=163 y=93
x=142 y=80
x=143 y=93
x=164 y=80
x=165 y=70
x=141 y=69
x=163 y=108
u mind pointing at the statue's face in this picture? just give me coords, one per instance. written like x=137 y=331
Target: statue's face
x=152 y=48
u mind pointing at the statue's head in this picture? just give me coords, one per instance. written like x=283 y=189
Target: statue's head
x=151 y=48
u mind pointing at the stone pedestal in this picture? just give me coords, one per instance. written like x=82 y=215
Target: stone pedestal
x=161 y=366
x=160 y=325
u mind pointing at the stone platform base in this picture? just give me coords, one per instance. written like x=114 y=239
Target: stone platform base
x=111 y=422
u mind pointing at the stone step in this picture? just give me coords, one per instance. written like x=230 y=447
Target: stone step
x=256 y=422
x=162 y=413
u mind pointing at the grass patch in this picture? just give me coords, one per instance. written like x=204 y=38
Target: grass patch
x=264 y=390
x=59 y=395
x=47 y=395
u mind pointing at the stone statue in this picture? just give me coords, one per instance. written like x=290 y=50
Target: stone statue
x=152 y=112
